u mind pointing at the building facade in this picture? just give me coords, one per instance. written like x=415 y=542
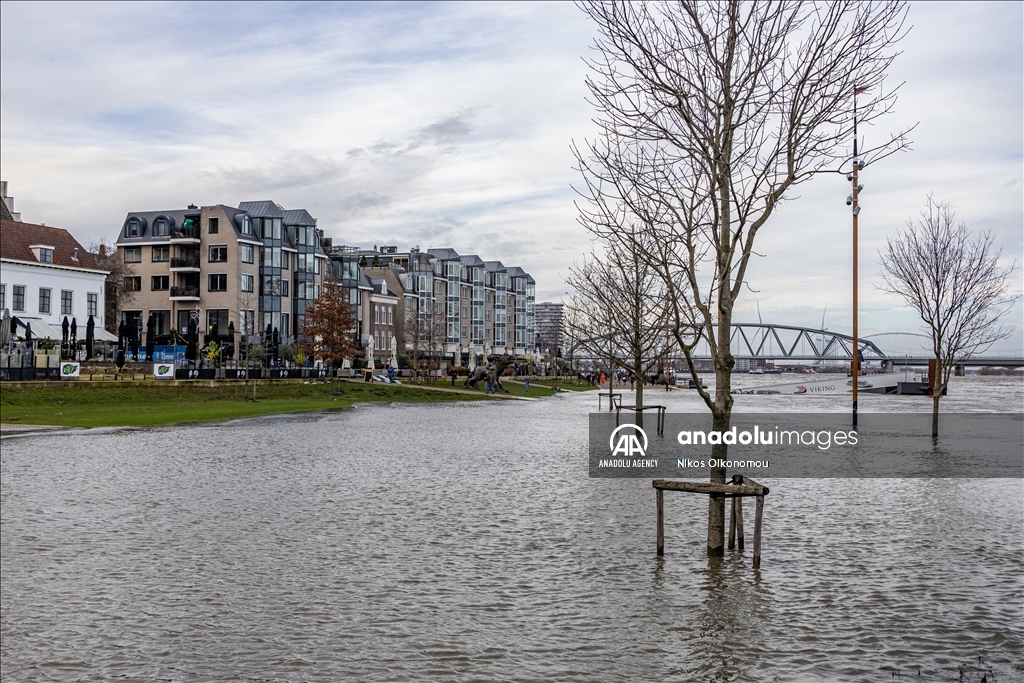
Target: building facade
x=252 y=269
x=46 y=275
x=549 y=321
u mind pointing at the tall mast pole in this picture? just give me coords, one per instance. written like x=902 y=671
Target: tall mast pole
x=855 y=360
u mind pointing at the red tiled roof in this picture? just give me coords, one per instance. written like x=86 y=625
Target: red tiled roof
x=16 y=237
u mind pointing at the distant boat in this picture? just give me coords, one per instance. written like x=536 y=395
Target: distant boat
x=875 y=384
x=756 y=371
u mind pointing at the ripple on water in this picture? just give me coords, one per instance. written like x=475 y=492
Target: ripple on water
x=466 y=543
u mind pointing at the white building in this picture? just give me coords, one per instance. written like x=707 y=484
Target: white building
x=45 y=275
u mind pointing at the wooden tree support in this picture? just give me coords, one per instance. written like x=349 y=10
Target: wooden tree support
x=737 y=489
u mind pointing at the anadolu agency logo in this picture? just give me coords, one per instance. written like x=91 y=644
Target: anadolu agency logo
x=628 y=445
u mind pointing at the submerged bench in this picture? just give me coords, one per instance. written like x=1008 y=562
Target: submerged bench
x=736 y=489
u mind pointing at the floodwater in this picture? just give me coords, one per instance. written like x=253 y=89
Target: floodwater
x=465 y=542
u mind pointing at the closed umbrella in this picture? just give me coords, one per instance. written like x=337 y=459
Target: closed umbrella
x=133 y=335
x=229 y=352
x=122 y=332
x=28 y=333
x=5 y=328
x=74 y=331
x=90 y=336
x=268 y=343
x=64 y=327
x=277 y=343
x=193 y=333
x=150 y=337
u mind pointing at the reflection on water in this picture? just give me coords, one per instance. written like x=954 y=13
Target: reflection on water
x=466 y=543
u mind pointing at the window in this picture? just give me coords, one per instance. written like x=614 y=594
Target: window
x=160 y=227
x=437 y=287
x=217 y=317
x=160 y=283
x=133 y=255
x=246 y=321
x=45 y=255
x=44 y=300
x=161 y=254
x=218 y=283
x=218 y=254
x=316 y=265
x=464 y=331
x=285 y=329
x=67 y=302
x=245 y=252
x=133 y=284
x=376 y=314
x=18 y=300
x=92 y=303
x=246 y=227
x=465 y=311
x=132 y=228
x=247 y=283
x=353 y=297
x=316 y=291
x=391 y=315
x=271 y=286
x=163 y=322
x=284 y=287
x=213 y=225
x=3 y=296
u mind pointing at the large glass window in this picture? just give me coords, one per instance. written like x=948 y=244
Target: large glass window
x=245 y=253
x=67 y=299
x=18 y=298
x=271 y=286
x=92 y=300
x=161 y=254
x=217 y=317
x=218 y=282
x=44 y=300
x=133 y=255
x=246 y=321
x=162 y=320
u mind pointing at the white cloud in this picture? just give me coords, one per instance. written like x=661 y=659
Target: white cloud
x=449 y=125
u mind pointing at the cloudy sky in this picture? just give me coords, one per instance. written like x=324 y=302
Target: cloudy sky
x=450 y=125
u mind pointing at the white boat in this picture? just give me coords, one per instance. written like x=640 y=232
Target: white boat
x=875 y=384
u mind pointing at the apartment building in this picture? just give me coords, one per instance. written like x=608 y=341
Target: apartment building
x=464 y=306
x=549 y=321
x=252 y=268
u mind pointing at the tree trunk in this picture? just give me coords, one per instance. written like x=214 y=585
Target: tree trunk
x=936 y=395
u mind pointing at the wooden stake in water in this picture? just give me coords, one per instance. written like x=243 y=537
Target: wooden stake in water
x=661 y=522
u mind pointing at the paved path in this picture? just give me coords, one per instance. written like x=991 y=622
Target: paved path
x=446 y=388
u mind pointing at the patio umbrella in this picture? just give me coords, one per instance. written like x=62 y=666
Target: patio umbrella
x=150 y=337
x=28 y=333
x=268 y=343
x=133 y=335
x=64 y=326
x=5 y=328
x=74 y=331
x=229 y=352
x=122 y=331
x=277 y=342
x=193 y=333
x=90 y=336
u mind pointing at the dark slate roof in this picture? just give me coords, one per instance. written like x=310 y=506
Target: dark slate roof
x=5 y=213
x=298 y=217
x=175 y=219
x=494 y=267
x=471 y=261
x=262 y=209
x=16 y=238
x=445 y=254
x=530 y=280
x=515 y=271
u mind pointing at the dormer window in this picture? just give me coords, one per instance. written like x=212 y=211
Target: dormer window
x=246 y=226
x=160 y=228
x=133 y=228
x=42 y=252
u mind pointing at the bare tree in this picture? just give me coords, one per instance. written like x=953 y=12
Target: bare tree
x=954 y=280
x=618 y=312
x=710 y=115
x=115 y=295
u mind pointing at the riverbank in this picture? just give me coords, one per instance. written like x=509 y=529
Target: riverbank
x=134 y=404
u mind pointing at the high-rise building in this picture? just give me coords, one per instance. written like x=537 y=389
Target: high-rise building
x=549 y=326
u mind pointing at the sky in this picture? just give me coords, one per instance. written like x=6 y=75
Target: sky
x=450 y=124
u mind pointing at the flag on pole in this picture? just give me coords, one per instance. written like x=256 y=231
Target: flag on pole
x=858 y=91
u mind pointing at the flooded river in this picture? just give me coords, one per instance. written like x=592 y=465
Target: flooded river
x=466 y=542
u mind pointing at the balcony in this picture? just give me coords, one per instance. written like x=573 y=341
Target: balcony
x=184 y=294
x=188 y=264
x=188 y=235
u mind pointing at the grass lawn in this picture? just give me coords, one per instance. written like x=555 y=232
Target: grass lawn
x=115 y=404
